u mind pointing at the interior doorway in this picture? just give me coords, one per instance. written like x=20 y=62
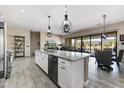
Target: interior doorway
x=34 y=41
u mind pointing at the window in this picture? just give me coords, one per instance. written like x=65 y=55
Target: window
x=86 y=44
x=67 y=42
x=95 y=43
x=78 y=43
x=110 y=42
x=73 y=43
x=91 y=42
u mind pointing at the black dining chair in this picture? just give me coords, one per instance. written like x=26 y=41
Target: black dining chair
x=119 y=58
x=103 y=59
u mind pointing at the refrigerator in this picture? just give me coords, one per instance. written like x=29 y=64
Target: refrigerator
x=2 y=50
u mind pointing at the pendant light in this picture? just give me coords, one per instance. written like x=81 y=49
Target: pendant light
x=104 y=27
x=66 y=24
x=49 y=32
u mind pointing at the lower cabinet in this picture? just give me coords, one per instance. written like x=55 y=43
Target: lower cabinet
x=70 y=74
x=64 y=74
x=37 y=58
x=42 y=60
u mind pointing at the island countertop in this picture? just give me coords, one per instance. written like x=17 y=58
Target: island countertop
x=68 y=55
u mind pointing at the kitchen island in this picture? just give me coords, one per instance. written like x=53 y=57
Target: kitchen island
x=66 y=68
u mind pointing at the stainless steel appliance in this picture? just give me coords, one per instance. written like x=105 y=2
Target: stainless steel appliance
x=53 y=68
x=2 y=52
x=8 y=64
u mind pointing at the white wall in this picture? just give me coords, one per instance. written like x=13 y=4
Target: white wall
x=43 y=38
x=35 y=40
x=109 y=28
x=13 y=31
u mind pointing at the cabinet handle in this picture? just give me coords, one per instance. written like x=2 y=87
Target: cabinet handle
x=63 y=68
x=63 y=62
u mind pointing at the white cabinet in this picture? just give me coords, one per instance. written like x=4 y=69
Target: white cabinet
x=71 y=73
x=64 y=73
x=44 y=62
x=37 y=58
x=41 y=59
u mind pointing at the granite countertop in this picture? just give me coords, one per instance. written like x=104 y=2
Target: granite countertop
x=68 y=55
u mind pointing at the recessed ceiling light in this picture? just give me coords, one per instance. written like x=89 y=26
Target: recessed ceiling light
x=22 y=11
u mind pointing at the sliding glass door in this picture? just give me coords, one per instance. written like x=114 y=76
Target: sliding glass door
x=78 y=43
x=95 y=43
x=86 y=44
x=110 y=42
x=67 y=42
x=91 y=42
x=72 y=43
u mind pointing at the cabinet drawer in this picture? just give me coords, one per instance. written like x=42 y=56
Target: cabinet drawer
x=64 y=62
x=45 y=55
x=45 y=68
x=63 y=68
x=64 y=78
x=41 y=54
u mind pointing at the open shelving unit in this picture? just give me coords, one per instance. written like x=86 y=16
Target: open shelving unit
x=19 y=46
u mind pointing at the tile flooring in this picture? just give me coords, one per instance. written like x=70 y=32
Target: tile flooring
x=26 y=74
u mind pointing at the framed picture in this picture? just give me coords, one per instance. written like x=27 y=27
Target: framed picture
x=122 y=37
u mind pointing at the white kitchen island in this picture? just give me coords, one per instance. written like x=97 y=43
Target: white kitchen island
x=71 y=69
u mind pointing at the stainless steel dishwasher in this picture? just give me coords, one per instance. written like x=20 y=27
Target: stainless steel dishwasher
x=53 y=68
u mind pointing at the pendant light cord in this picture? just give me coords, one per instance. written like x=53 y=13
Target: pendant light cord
x=49 y=22
x=104 y=17
x=66 y=9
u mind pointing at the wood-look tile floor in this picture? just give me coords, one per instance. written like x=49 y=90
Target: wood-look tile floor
x=26 y=74
x=103 y=79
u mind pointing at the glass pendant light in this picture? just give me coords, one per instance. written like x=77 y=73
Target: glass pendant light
x=66 y=24
x=49 y=32
x=104 y=27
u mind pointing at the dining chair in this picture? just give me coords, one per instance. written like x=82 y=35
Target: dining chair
x=119 y=58
x=103 y=59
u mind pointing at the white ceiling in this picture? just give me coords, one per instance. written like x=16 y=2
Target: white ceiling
x=35 y=17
